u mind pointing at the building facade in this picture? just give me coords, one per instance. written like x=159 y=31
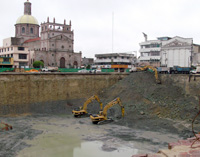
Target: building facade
x=6 y=62
x=169 y=52
x=118 y=61
x=20 y=54
x=177 y=52
x=150 y=51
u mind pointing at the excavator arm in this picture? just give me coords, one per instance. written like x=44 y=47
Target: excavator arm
x=94 y=97
x=83 y=110
x=152 y=68
x=102 y=116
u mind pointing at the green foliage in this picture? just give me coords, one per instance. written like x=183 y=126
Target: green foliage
x=88 y=67
x=38 y=64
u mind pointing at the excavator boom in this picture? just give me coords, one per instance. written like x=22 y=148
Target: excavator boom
x=152 y=68
x=83 y=110
x=102 y=116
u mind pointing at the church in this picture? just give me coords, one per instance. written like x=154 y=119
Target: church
x=55 y=46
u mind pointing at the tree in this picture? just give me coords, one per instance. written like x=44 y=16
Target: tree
x=88 y=67
x=38 y=64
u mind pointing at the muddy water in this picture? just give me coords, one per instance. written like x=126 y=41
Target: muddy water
x=65 y=136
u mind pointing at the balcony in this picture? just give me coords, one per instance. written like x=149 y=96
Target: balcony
x=112 y=60
x=153 y=49
x=5 y=63
x=148 y=58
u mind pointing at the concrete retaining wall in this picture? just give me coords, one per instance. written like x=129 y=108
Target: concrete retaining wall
x=26 y=92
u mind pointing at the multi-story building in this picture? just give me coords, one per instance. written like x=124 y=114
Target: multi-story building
x=20 y=54
x=118 y=61
x=169 y=52
x=150 y=51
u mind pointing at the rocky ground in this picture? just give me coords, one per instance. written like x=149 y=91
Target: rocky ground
x=153 y=106
x=149 y=107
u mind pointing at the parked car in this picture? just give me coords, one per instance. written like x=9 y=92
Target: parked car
x=83 y=71
x=49 y=69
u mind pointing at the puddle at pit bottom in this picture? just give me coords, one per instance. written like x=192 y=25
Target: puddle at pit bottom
x=94 y=148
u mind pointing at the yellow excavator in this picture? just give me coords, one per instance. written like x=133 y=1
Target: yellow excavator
x=102 y=116
x=83 y=110
x=152 y=68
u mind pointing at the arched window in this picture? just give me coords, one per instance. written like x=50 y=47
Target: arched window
x=23 y=30
x=31 y=30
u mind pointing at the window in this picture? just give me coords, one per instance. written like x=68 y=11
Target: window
x=8 y=49
x=6 y=59
x=22 y=56
x=23 y=30
x=122 y=57
x=31 y=30
x=52 y=63
x=11 y=55
x=21 y=48
x=52 y=54
x=5 y=50
x=11 y=48
x=52 y=34
x=52 y=44
x=63 y=47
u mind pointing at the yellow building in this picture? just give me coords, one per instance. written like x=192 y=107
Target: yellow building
x=6 y=62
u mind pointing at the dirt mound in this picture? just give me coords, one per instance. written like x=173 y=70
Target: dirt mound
x=145 y=100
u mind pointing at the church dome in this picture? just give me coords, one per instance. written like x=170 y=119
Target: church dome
x=27 y=19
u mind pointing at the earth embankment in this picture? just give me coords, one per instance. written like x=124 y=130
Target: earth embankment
x=153 y=106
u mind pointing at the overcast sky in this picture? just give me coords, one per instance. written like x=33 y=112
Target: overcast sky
x=92 y=21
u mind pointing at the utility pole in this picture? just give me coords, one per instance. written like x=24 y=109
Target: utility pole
x=112 y=32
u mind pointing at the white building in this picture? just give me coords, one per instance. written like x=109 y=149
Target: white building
x=177 y=52
x=117 y=61
x=150 y=51
x=169 y=52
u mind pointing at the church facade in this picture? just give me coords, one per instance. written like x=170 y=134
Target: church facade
x=55 y=47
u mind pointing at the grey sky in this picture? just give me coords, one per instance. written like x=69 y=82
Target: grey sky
x=92 y=21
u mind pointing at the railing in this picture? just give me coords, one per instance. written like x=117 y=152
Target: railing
x=5 y=63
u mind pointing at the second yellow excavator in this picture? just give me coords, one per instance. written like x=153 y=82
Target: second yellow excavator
x=83 y=110
x=102 y=116
x=152 y=68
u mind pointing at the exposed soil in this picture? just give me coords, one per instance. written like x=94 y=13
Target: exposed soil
x=154 y=113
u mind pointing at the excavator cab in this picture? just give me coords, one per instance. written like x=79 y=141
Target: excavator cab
x=102 y=116
x=82 y=110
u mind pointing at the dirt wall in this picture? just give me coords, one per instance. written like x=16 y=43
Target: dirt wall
x=21 y=93
x=191 y=87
